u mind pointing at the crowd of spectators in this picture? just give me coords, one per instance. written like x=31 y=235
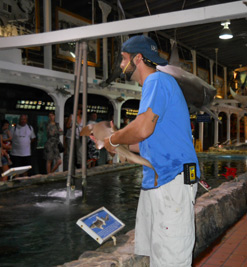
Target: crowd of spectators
x=16 y=142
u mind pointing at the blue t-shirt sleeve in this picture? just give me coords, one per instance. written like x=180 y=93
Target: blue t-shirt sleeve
x=154 y=96
x=170 y=145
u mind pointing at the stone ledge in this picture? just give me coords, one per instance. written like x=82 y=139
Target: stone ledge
x=62 y=176
x=218 y=209
x=215 y=211
x=113 y=256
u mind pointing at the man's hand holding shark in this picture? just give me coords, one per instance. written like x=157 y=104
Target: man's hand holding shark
x=136 y=131
x=101 y=133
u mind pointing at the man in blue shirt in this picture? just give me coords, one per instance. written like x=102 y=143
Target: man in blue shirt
x=161 y=133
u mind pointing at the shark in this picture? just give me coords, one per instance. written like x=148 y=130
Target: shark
x=104 y=129
x=198 y=93
x=99 y=222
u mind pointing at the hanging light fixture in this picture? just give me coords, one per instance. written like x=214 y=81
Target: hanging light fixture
x=226 y=32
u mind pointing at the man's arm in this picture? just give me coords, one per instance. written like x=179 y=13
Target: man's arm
x=138 y=130
x=134 y=148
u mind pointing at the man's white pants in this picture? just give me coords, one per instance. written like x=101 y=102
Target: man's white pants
x=165 y=228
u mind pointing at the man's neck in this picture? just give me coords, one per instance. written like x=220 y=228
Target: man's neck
x=145 y=73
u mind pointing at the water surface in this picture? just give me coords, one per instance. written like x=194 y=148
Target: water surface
x=37 y=228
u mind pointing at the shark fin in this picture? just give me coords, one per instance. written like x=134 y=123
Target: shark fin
x=174 y=58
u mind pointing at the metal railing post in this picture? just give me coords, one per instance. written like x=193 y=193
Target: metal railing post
x=77 y=72
x=84 y=116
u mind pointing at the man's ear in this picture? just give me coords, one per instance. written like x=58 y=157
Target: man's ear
x=139 y=58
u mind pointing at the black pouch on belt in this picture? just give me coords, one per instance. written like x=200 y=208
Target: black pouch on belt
x=190 y=173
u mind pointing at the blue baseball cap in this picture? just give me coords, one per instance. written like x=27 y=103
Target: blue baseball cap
x=146 y=46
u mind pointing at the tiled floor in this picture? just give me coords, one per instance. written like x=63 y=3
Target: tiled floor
x=230 y=250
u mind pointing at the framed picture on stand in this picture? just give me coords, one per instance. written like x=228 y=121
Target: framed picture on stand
x=66 y=20
x=19 y=18
x=219 y=85
x=185 y=65
x=203 y=74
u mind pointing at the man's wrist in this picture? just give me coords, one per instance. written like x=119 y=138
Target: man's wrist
x=111 y=142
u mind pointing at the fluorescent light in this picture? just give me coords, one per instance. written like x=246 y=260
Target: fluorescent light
x=72 y=54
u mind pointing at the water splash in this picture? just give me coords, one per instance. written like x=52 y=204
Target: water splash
x=58 y=193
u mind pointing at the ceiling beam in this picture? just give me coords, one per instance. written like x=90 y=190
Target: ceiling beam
x=232 y=10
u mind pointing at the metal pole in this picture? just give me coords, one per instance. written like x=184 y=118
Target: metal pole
x=84 y=117
x=47 y=15
x=77 y=71
x=106 y=9
x=225 y=83
x=93 y=12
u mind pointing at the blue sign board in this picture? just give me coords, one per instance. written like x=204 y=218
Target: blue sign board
x=100 y=224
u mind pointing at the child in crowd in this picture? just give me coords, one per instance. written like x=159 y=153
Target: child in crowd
x=6 y=140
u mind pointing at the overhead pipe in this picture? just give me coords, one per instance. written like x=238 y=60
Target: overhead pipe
x=196 y=16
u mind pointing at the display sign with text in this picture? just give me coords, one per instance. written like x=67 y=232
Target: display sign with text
x=100 y=224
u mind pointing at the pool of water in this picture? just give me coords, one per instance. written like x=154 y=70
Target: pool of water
x=213 y=166
x=37 y=228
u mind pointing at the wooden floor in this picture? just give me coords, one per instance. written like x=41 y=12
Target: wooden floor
x=230 y=250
